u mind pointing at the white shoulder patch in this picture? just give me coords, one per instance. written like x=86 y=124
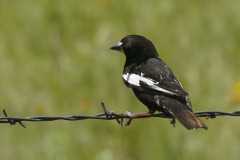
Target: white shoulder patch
x=135 y=79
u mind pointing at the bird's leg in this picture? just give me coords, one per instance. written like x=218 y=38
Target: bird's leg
x=133 y=115
x=173 y=121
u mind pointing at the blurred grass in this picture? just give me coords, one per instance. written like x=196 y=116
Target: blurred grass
x=54 y=60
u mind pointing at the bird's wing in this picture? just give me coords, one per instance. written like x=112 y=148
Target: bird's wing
x=154 y=76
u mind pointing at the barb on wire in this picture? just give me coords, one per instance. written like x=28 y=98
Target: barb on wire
x=108 y=115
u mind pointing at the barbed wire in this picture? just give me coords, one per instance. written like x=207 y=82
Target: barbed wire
x=107 y=115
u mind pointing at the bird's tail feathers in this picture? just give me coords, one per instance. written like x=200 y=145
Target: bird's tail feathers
x=189 y=120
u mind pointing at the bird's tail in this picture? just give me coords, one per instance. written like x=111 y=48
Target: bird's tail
x=189 y=120
x=181 y=109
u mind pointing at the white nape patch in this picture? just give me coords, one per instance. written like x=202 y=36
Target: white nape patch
x=135 y=79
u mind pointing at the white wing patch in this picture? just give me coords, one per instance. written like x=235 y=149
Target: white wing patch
x=135 y=79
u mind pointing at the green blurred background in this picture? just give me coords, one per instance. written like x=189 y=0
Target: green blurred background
x=55 y=60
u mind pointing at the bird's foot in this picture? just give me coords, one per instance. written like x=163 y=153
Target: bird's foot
x=128 y=115
x=173 y=122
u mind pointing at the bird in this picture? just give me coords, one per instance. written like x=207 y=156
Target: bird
x=154 y=83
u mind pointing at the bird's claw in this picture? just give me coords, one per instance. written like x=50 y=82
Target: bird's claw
x=128 y=115
x=128 y=122
x=173 y=122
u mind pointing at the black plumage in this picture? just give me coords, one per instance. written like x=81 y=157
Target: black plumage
x=153 y=82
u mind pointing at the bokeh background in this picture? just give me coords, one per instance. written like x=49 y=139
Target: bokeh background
x=55 y=60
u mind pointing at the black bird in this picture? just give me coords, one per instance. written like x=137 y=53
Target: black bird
x=154 y=83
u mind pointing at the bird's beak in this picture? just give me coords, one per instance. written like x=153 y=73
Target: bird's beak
x=117 y=47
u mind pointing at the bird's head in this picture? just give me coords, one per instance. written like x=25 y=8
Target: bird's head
x=136 y=48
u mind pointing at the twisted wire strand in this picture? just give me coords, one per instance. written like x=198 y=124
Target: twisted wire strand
x=107 y=115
